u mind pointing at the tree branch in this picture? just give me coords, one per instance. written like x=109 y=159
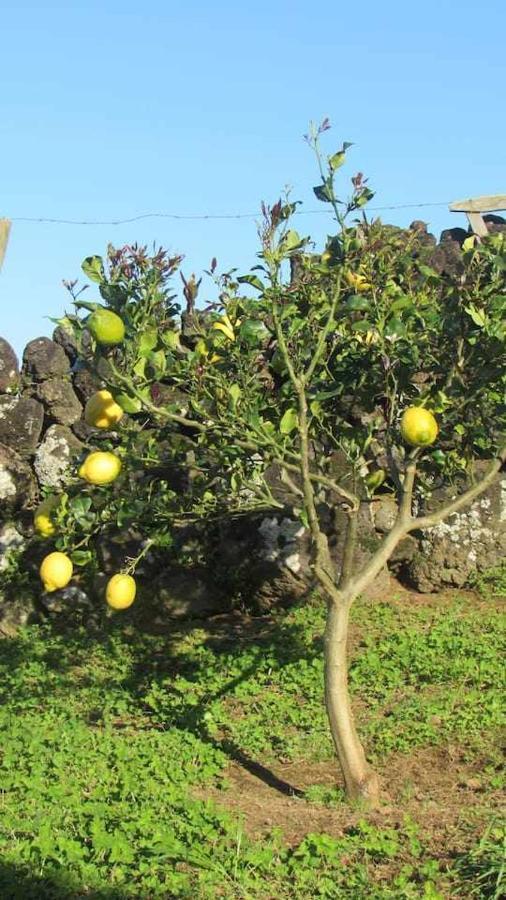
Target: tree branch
x=467 y=497
x=350 y=543
x=324 y=332
x=405 y=505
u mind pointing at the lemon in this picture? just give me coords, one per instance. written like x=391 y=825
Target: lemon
x=55 y=571
x=102 y=411
x=358 y=282
x=418 y=426
x=106 y=327
x=100 y=467
x=375 y=479
x=120 y=591
x=42 y=521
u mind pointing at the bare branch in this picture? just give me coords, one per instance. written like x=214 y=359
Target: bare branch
x=407 y=492
x=467 y=497
x=350 y=543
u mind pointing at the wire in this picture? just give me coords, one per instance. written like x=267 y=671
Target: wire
x=153 y=215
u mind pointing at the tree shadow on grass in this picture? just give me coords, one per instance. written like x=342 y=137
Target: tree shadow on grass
x=283 y=641
x=19 y=883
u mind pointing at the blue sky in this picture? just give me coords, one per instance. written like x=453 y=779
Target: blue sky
x=110 y=110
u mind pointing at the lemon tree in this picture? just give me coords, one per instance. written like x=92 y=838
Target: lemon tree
x=354 y=371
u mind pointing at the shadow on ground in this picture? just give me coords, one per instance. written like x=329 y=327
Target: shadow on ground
x=17 y=883
x=283 y=641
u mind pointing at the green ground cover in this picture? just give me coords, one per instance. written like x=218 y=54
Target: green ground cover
x=111 y=737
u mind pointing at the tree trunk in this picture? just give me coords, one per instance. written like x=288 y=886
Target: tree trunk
x=360 y=781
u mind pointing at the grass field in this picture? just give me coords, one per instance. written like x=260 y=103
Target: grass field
x=195 y=761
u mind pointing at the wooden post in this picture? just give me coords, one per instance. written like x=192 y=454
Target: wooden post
x=473 y=208
x=5 y=227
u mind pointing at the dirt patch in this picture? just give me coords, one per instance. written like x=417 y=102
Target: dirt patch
x=436 y=788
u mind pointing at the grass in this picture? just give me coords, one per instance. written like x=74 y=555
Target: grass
x=113 y=738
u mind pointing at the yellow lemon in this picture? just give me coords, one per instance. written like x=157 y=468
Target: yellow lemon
x=102 y=411
x=418 y=426
x=42 y=521
x=100 y=467
x=120 y=591
x=358 y=282
x=55 y=571
x=106 y=327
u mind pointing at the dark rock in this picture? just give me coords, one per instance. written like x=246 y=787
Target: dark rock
x=85 y=384
x=10 y=539
x=17 y=484
x=43 y=358
x=459 y=235
x=495 y=224
x=21 y=420
x=384 y=509
x=446 y=259
x=66 y=340
x=55 y=455
x=492 y=219
x=9 y=368
x=60 y=400
x=15 y=612
x=473 y=539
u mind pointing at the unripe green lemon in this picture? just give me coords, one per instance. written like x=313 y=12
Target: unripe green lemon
x=120 y=591
x=55 y=571
x=100 y=467
x=375 y=479
x=106 y=327
x=102 y=411
x=42 y=521
x=418 y=426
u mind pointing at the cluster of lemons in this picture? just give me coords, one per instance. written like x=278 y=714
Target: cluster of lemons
x=98 y=468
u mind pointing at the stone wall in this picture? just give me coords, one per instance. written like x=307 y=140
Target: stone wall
x=42 y=432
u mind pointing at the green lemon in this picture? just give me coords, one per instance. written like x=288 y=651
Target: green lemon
x=106 y=327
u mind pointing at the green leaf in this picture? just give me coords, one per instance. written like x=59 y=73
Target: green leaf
x=337 y=160
x=253 y=332
x=140 y=367
x=80 y=505
x=395 y=327
x=478 y=316
x=147 y=342
x=428 y=272
x=363 y=325
x=235 y=393
x=127 y=403
x=171 y=339
x=323 y=192
x=289 y=422
x=158 y=363
x=357 y=303
x=253 y=280
x=401 y=303
x=81 y=557
x=364 y=197
x=93 y=268
x=291 y=241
